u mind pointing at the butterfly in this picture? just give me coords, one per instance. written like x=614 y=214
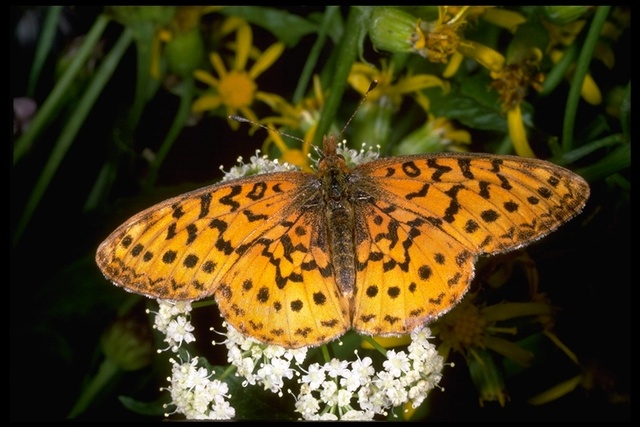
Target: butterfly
x=297 y=259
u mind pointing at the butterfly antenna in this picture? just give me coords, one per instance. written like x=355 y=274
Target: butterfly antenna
x=372 y=86
x=260 y=125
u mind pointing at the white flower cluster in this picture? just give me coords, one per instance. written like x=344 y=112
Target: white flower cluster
x=172 y=319
x=257 y=165
x=195 y=395
x=266 y=365
x=260 y=164
x=330 y=391
x=357 y=157
x=335 y=390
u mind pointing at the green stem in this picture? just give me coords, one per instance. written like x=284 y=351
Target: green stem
x=230 y=370
x=616 y=161
x=347 y=52
x=127 y=123
x=76 y=120
x=50 y=106
x=145 y=85
x=569 y=157
x=324 y=349
x=45 y=41
x=582 y=68
x=108 y=369
x=184 y=109
x=314 y=54
x=375 y=344
x=557 y=73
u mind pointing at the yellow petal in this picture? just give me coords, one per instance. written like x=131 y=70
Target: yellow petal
x=453 y=65
x=459 y=136
x=510 y=310
x=509 y=350
x=566 y=350
x=231 y=24
x=272 y=100
x=517 y=132
x=590 y=91
x=423 y=101
x=418 y=82
x=218 y=65
x=361 y=75
x=206 y=78
x=556 y=391
x=244 y=40
x=206 y=103
x=504 y=18
x=267 y=59
x=484 y=55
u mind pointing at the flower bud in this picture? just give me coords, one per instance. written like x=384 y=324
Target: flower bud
x=128 y=343
x=392 y=29
x=184 y=52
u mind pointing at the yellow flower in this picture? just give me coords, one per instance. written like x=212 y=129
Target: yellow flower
x=479 y=331
x=438 y=40
x=293 y=156
x=301 y=119
x=512 y=83
x=236 y=89
x=374 y=120
x=443 y=41
x=388 y=91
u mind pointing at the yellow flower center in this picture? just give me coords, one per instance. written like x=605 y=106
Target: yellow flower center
x=464 y=327
x=513 y=81
x=436 y=44
x=237 y=89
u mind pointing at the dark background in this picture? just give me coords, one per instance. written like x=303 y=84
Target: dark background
x=61 y=304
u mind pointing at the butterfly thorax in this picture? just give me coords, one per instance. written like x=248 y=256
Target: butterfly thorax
x=339 y=215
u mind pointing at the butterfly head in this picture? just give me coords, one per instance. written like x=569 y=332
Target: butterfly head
x=330 y=159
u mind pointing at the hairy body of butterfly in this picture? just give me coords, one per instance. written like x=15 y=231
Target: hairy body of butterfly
x=297 y=259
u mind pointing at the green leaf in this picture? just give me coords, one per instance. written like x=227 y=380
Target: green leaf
x=155 y=408
x=474 y=105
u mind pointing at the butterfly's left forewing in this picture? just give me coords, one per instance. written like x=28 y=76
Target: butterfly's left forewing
x=179 y=248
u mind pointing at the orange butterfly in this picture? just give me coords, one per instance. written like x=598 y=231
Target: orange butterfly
x=297 y=259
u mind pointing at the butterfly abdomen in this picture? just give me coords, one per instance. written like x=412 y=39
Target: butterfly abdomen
x=339 y=219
